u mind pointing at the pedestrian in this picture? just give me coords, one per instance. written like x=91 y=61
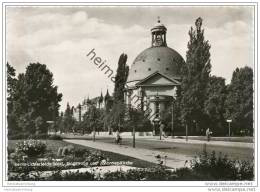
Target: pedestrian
x=118 y=137
x=208 y=134
x=162 y=126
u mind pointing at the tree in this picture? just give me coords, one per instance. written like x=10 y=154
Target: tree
x=68 y=120
x=116 y=116
x=214 y=104
x=11 y=81
x=196 y=73
x=34 y=97
x=136 y=116
x=11 y=87
x=121 y=78
x=239 y=102
x=93 y=119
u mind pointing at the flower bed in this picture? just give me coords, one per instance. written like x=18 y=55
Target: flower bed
x=205 y=167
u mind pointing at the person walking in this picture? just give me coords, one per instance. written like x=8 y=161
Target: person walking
x=118 y=137
x=208 y=134
x=162 y=126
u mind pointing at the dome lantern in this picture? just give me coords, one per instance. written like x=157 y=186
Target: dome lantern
x=159 y=34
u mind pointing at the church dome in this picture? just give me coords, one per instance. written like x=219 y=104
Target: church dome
x=158 y=57
x=162 y=59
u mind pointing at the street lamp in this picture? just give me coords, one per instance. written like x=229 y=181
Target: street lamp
x=229 y=122
x=173 y=97
x=172 y=118
x=157 y=111
x=186 y=126
x=195 y=122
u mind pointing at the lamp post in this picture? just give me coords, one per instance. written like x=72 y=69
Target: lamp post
x=133 y=136
x=195 y=122
x=186 y=131
x=229 y=122
x=172 y=118
x=157 y=111
x=173 y=97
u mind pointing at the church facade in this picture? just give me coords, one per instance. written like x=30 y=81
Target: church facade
x=154 y=75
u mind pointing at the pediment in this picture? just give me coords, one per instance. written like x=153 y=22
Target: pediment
x=158 y=79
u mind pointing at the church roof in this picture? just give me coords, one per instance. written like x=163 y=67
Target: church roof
x=101 y=98
x=157 y=79
x=162 y=58
x=159 y=57
x=107 y=96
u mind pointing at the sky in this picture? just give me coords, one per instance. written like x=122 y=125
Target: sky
x=61 y=37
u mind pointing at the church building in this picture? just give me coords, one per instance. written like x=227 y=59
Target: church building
x=154 y=75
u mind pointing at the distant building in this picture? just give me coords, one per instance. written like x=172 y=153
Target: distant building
x=154 y=75
x=99 y=102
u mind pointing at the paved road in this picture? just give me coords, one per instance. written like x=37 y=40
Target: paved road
x=187 y=149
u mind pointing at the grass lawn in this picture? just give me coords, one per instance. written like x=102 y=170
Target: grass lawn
x=53 y=146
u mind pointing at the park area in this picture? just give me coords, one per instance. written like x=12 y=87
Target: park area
x=54 y=159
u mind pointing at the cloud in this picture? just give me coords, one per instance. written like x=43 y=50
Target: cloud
x=61 y=38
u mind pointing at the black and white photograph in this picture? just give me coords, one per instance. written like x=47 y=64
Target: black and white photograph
x=161 y=94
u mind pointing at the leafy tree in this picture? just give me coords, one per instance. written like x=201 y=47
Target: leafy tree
x=214 y=104
x=116 y=115
x=239 y=102
x=166 y=118
x=11 y=87
x=68 y=120
x=33 y=97
x=195 y=77
x=60 y=122
x=11 y=81
x=121 y=78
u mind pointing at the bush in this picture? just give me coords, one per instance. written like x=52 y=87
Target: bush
x=72 y=176
x=31 y=148
x=78 y=152
x=39 y=136
x=68 y=150
x=18 y=136
x=210 y=167
x=27 y=136
x=55 y=137
x=151 y=174
x=115 y=176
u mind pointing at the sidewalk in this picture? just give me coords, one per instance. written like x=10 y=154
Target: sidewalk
x=214 y=143
x=174 y=140
x=172 y=160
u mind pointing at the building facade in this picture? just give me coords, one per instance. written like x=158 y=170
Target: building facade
x=100 y=102
x=154 y=75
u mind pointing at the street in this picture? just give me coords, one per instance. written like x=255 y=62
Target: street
x=189 y=149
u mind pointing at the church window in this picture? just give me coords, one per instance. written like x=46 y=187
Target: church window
x=158 y=59
x=149 y=69
x=167 y=69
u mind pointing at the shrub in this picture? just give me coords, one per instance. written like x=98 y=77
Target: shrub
x=39 y=136
x=72 y=176
x=246 y=171
x=31 y=148
x=115 y=176
x=18 y=136
x=78 y=152
x=59 y=153
x=55 y=137
x=210 y=167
